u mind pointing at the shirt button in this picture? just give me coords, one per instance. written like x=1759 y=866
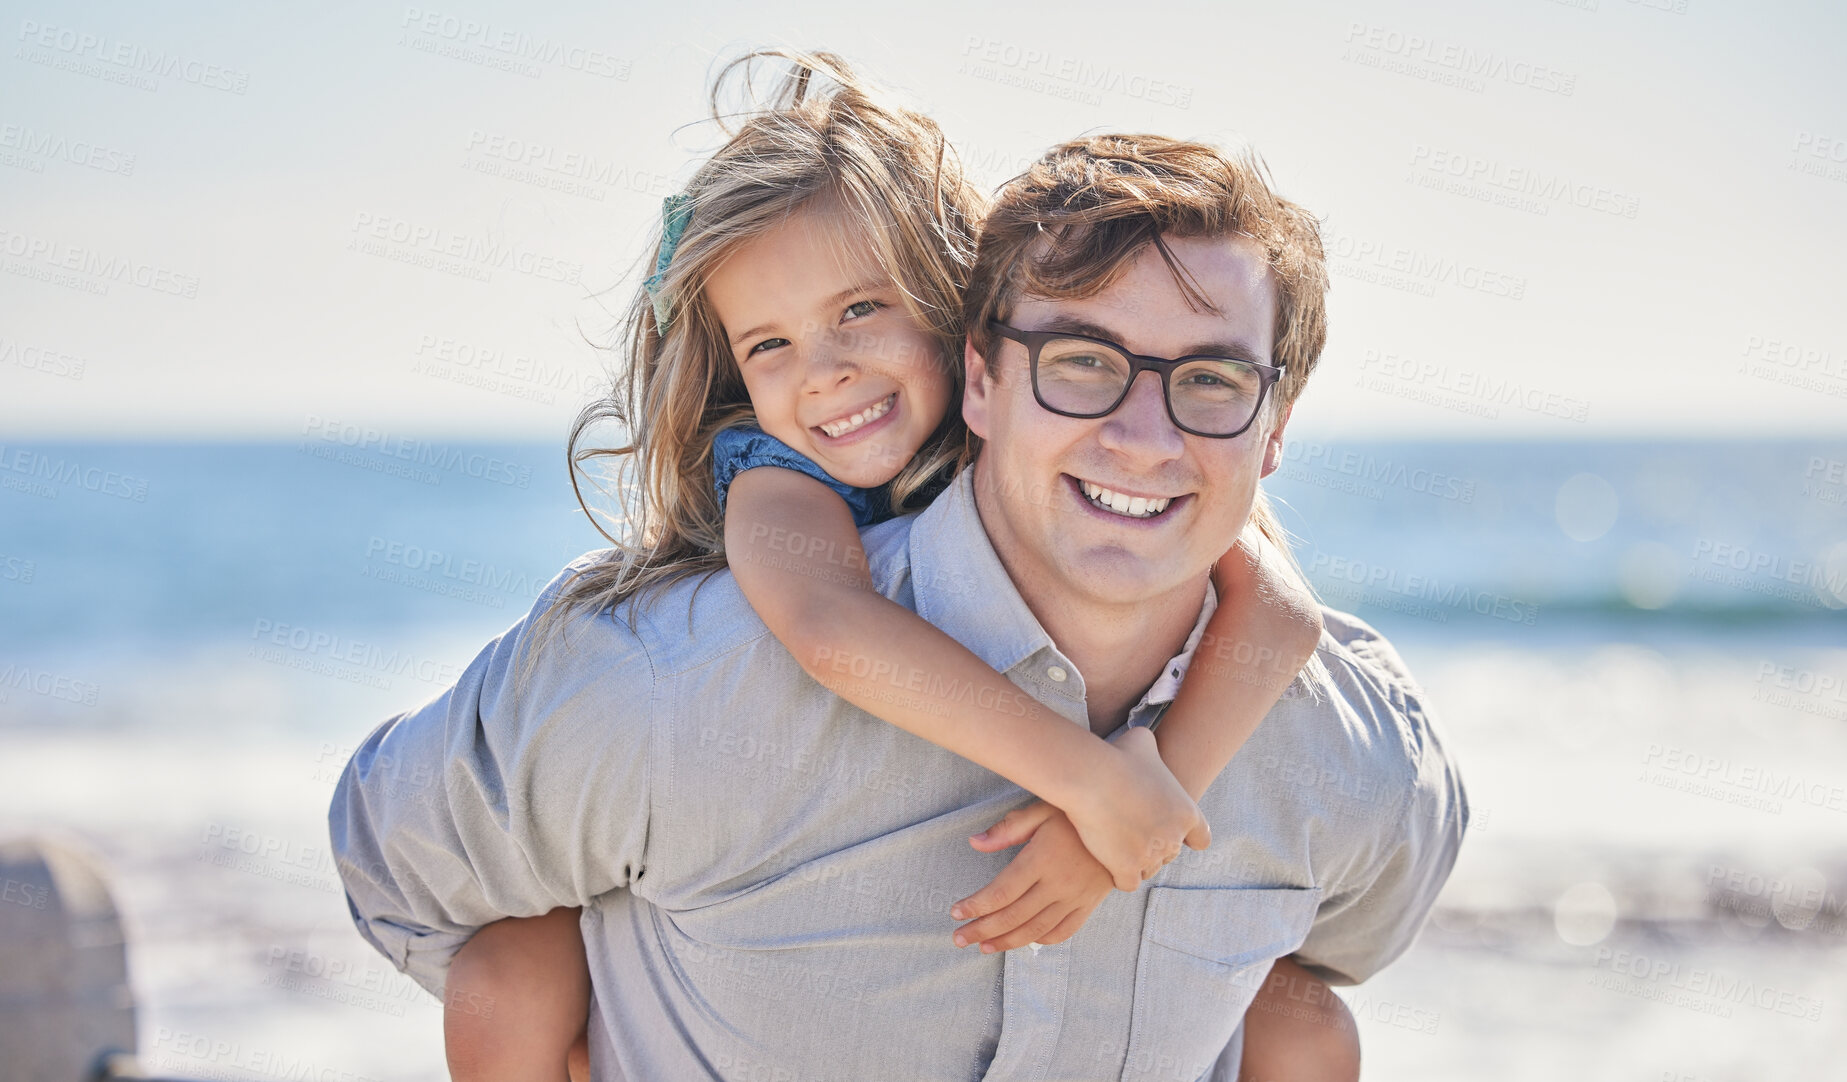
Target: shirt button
x=1057 y=673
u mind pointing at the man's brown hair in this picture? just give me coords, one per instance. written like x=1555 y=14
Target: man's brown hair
x=1070 y=224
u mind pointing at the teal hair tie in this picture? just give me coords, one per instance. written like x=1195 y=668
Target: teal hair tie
x=676 y=211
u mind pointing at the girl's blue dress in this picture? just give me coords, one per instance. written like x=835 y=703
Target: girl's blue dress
x=735 y=450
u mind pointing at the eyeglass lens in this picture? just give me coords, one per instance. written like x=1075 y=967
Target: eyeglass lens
x=1208 y=396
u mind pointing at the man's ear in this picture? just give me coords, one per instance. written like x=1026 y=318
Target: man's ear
x=1273 y=447
x=977 y=397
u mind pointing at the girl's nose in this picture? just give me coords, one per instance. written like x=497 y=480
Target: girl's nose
x=828 y=367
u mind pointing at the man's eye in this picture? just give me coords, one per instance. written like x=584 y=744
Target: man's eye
x=861 y=309
x=767 y=343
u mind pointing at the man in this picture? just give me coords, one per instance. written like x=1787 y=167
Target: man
x=766 y=876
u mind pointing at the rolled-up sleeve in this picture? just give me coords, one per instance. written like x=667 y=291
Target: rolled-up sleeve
x=509 y=795
x=1367 y=922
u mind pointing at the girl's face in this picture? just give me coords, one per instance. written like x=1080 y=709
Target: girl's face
x=835 y=366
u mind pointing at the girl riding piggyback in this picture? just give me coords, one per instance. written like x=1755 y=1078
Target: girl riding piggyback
x=793 y=375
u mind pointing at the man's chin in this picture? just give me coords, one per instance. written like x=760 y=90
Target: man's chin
x=1114 y=577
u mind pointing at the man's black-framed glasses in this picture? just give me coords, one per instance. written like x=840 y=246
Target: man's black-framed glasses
x=1078 y=376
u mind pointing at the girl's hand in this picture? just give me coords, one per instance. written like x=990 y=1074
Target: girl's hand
x=1044 y=896
x=1135 y=820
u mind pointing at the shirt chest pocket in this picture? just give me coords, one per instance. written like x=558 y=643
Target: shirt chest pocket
x=1205 y=952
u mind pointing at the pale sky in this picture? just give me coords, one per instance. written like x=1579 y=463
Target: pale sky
x=1588 y=219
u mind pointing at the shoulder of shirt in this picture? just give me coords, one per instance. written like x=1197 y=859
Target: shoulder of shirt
x=1365 y=672
x=888 y=553
x=1359 y=644
x=703 y=618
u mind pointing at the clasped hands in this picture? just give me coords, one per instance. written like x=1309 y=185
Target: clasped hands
x=1119 y=833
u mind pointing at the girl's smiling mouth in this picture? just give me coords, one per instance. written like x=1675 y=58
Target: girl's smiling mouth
x=854 y=423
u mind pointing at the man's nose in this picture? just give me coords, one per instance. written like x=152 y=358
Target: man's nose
x=1139 y=429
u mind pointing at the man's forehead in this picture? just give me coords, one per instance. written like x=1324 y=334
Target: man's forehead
x=1131 y=332
x=1145 y=306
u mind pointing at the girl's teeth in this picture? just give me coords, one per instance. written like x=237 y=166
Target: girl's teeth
x=837 y=429
x=1127 y=506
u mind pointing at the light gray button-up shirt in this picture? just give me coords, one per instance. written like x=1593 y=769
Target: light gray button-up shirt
x=766 y=871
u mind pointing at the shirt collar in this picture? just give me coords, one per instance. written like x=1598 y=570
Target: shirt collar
x=1167 y=686
x=960 y=586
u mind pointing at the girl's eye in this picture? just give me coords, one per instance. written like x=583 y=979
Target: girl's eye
x=767 y=343
x=862 y=309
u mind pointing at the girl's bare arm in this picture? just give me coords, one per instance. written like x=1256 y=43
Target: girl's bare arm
x=1263 y=632
x=795 y=552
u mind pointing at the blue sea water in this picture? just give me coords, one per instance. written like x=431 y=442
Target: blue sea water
x=160 y=545
x=1579 y=534
x=200 y=542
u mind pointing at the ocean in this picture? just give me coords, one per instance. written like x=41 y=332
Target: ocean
x=1638 y=652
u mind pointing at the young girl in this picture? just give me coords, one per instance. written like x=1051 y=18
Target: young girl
x=794 y=375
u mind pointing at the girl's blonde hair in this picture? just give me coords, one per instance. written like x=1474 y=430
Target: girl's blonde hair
x=824 y=134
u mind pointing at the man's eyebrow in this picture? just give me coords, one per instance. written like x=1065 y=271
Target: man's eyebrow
x=859 y=288
x=1079 y=325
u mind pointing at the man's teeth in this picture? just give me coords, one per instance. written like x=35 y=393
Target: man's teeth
x=866 y=416
x=1132 y=506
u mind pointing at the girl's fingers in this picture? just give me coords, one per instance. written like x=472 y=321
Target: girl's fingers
x=1003 y=890
x=1200 y=837
x=1006 y=919
x=1161 y=860
x=1067 y=927
x=1014 y=828
x=1033 y=930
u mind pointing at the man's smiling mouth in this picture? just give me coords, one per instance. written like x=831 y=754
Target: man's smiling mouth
x=1120 y=504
